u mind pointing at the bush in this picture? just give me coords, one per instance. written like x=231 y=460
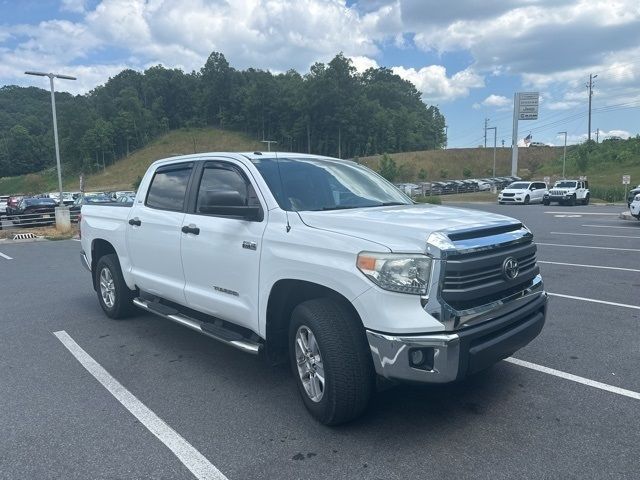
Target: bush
x=444 y=173
x=466 y=172
x=422 y=174
x=434 y=200
x=608 y=194
x=137 y=182
x=388 y=168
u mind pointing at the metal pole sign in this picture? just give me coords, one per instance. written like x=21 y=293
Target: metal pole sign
x=626 y=179
x=525 y=107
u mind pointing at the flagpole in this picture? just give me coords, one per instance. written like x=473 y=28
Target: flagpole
x=514 y=137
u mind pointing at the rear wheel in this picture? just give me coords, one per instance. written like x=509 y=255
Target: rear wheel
x=330 y=360
x=114 y=296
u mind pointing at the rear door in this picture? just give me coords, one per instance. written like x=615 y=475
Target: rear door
x=221 y=258
x=153 y=232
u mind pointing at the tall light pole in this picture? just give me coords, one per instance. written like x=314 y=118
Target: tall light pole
x=446 y=136
x=564 y=155
x=495 y=135
x=268 y=142
x=55 y=121
x=592 y=77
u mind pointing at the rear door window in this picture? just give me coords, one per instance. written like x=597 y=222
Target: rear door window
x=169 y=187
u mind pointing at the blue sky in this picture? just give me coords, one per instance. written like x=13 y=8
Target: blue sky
x=467 y=57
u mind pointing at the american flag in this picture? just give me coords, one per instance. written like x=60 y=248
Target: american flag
x=527 y=139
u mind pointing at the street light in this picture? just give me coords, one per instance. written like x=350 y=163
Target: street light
x=564 y=155
x=268 y=142
x=55 y=121
x=495 y=135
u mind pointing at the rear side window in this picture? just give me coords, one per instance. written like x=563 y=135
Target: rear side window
x=168 y=188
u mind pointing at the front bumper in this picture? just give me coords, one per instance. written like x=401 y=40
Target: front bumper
x=451 y=356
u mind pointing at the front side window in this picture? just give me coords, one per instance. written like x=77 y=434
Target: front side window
x=224 y=186
x=304 y=184
x=168 y=188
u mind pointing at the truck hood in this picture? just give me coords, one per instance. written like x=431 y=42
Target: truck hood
x=402 y=228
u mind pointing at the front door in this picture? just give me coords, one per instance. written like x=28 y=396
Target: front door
x=221 y=254
x=153 y=233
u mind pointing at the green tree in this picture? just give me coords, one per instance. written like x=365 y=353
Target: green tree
x=388 y=168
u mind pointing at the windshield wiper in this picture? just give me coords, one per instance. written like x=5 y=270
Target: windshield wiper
x=340 y=207
x=390 y=204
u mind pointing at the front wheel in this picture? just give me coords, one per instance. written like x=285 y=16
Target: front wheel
x=572 y=201
x=546 y=202
x=330 y=360
x=586 y=200
x=527 y=200
x=114 y=296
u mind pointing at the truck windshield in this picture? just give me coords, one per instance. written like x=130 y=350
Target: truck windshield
x=304 y=184
x=565 y=184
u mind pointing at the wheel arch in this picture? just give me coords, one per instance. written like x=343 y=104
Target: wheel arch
x=99 y=248
x=284 y=296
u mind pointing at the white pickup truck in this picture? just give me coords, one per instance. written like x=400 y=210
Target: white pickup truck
x=320 y=263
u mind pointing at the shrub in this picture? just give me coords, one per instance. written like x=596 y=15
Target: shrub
x=466 y=172
x=444 y=173
x=422 y=174
x=137 y=182
x=388 y=168
x=434 y=200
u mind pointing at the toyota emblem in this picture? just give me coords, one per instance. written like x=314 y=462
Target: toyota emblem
x=510 y=268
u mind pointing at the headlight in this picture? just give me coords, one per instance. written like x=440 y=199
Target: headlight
x=637 y=198
x=404 y=273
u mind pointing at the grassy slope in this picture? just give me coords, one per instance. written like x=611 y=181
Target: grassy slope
x=124 y=172
x=480 y=161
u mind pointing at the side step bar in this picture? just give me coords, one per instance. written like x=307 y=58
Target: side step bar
x=210 y=330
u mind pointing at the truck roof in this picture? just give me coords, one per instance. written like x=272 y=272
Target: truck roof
x=242 y=156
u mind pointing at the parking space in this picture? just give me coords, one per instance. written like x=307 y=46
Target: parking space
x=247 y=421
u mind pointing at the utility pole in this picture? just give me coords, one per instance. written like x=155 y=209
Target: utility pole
x=495 y=136
x=446 y=136
x=564 y=154
x=486 y=122
x=597 y=135
x=592 y=77
x=268 y=142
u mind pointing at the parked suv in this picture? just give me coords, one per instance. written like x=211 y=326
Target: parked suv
x=568 y=192
x=632 y=195
x=523 y=192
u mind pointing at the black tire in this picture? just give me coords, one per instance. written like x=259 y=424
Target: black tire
x=546 y=202
x=527 y=200
x=349 y=377
x=572 y=201
x=586 y=200
x=122 y=305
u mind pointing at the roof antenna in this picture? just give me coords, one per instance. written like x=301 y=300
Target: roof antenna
x=286 y=213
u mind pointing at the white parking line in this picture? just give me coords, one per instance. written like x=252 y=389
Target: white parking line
x=610 y=226
x=593 y=235
x=186 y=453
x=588 y=246
x=5 y=256
x=575 y=378
x=584 y=213
x=590 y=266
x=593 y=300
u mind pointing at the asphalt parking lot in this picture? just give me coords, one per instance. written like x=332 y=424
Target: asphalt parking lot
x=567 y=409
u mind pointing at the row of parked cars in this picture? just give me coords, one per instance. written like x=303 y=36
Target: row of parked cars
x=38 y=210
x=564 y=192
x=456 y=186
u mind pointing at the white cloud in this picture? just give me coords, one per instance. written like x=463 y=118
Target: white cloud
x=363 y=63
x=494 y=101
x=435 y=86
x=75 y=6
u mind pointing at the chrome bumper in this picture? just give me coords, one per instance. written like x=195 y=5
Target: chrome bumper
x=506 y=327
x=85 y=261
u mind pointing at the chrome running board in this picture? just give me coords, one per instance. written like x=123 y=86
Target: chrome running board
x=216 y=332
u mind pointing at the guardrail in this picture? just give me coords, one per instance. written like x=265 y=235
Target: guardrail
x=31 y=220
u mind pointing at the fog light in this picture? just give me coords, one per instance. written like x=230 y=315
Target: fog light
x=421 y=358
x=417 y=357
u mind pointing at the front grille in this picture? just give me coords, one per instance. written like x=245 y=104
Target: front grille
x=556 y=193
x=475 y=279
x=508 y=194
